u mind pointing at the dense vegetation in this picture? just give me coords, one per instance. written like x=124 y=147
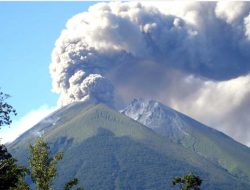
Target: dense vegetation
x=188 y=182
x=120 y=163
x=43 y=167
x=107 y=150
x=213 y=145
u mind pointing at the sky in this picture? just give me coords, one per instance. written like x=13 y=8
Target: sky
x=28 y=34
x=191 y=56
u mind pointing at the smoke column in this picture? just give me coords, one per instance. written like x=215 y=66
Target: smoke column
x=195 y=57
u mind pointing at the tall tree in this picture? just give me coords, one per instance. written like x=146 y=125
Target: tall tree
x=43 y=166
x=188 y=182
x=11 y=174
x=5 y=110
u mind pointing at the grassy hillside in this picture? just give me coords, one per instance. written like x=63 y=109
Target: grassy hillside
x=220 y=148
x=107 y=150
x=194 y=136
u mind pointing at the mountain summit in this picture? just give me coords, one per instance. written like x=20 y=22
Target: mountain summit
x=158 y=117
x=193 y=135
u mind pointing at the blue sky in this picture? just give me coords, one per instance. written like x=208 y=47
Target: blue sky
x=28 y=34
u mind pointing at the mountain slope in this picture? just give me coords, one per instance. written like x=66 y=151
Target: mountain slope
x=107 y=150
x=211 y=144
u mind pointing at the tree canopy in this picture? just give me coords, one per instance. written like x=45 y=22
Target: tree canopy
x=188 y=182
x=6 y=110
x=43 y=166
x=11 y=174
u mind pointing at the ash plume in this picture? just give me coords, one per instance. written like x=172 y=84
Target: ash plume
x=194 y=57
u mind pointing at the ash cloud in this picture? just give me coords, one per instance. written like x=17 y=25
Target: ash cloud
x=194 y=57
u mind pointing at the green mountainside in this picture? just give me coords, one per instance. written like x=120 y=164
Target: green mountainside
x=107 y=150
x=193 y=135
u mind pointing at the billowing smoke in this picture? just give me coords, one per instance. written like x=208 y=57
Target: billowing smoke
x=194 y=57
x=94 y=88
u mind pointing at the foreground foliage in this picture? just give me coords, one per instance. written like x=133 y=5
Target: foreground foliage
x=5 y=110
x=43 y=166
x=72 y=183
x=11 y=174
x=188 y=182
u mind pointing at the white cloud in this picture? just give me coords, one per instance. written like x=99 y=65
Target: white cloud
x=247 y=26
x=230 y=11
x=223 y=105
x=26 y=122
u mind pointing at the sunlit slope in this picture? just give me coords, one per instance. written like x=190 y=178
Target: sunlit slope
x=205 y=141
x=107 y=150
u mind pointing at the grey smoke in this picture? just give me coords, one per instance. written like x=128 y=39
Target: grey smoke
x=191 y=57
